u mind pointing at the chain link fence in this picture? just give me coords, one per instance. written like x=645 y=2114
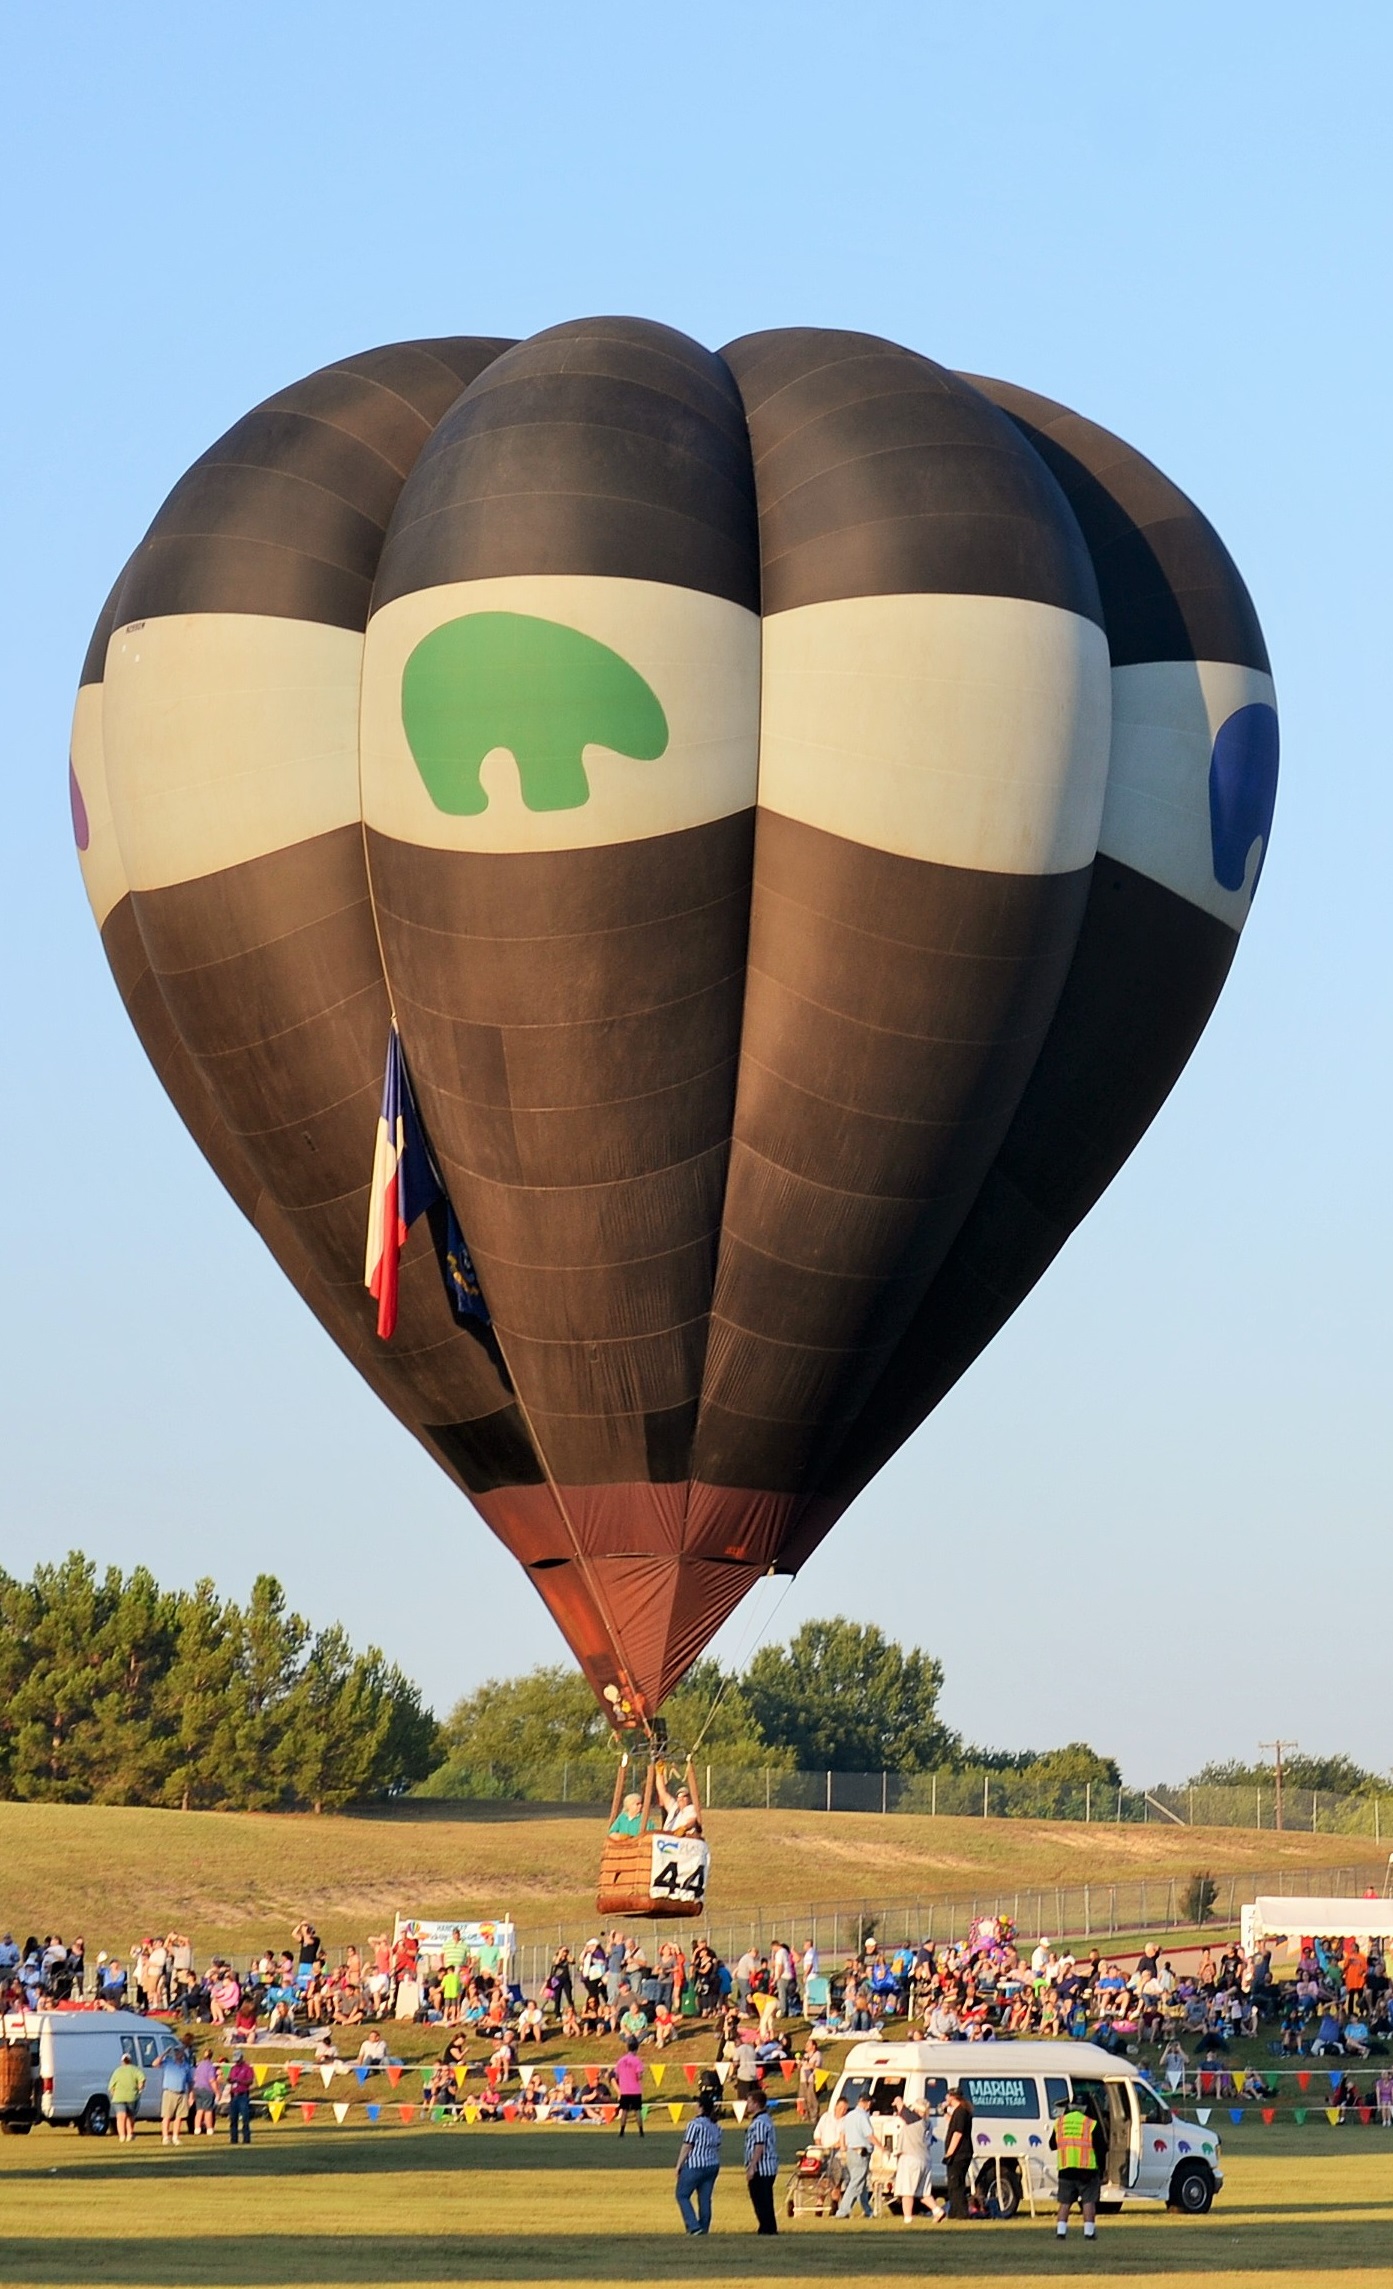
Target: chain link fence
x=973 y=1793
x=1101 y=1914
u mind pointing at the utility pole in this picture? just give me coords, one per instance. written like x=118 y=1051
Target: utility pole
x=1279 y=1749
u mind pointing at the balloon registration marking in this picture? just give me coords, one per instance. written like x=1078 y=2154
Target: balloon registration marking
x=540 y=690
x=1242 y=792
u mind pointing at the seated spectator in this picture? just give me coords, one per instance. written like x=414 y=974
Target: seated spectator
x=1327 y=2040
x=664 y=2028
x=531 y=2024
x=1356 y=2037
x=372 y=2051
x=324 y=2052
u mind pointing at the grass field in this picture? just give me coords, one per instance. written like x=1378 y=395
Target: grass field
x=531 y=2205
x=241 y=1880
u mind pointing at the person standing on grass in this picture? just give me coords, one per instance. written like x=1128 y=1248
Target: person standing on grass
x=957 y=2151
x=628 y=2076
x=124 y=2089
x=858 y=2145
x=205 y=2097
x=240 y=2082
x=699 y=2165
x=174 y=2095
x=1081 y=2146
x=761 y=2163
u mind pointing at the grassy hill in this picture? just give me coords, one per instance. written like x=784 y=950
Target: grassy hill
x=241 y=1880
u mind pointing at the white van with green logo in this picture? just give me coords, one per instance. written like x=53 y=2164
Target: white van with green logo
x=1154 y=2155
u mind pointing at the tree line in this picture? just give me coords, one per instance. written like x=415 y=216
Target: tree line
x=840 y=1696
x=115 y=1691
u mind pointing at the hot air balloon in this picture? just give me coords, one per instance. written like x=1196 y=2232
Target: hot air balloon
x=797 y=806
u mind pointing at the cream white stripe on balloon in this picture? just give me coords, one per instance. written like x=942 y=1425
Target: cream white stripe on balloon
x=967 y=730
x=1156 y=819
x=228 y=736
x=103 y=875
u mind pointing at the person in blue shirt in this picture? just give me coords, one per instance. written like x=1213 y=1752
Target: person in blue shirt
x=175 y=2094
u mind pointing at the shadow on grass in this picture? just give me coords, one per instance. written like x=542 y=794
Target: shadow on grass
x=843 y=2253
x=355 y=2152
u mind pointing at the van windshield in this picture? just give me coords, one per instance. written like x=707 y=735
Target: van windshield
x=884 y=2090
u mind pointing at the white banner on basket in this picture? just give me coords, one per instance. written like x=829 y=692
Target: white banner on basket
x=678 y=1869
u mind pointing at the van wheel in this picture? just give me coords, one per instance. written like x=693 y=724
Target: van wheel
x=1003 y=2200
x=1192 y=2190
x=16 y=2129
x=95 y=2120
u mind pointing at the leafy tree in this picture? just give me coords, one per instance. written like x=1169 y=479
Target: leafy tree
x=1332 y=1775
x=114 y=1691
x=842 y=1697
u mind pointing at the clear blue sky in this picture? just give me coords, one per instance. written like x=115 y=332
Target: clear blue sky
x=1156 y=1513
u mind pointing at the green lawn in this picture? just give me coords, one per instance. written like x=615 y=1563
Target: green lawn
x=423 y=2206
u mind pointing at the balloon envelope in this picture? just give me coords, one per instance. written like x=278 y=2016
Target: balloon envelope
x=799 y=804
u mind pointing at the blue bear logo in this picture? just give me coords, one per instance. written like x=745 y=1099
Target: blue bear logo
x=1242 y=792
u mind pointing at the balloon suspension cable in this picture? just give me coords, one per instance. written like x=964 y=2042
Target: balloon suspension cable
x=591 y=1580
x=741 y=1658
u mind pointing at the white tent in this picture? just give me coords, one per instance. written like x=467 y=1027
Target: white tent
x=1315 y=1919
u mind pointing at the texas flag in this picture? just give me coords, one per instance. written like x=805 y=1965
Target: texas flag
x=406 y=1184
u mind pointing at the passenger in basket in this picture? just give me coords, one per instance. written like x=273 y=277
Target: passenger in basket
x=681 y=1815
x=626 y=1820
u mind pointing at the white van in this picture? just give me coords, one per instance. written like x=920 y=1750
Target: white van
x=77 y=2052
x=1153 y=2155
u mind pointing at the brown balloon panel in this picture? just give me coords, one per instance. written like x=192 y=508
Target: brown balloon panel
x=798 y=806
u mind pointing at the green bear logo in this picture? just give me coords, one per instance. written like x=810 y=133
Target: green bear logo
x=543 y=691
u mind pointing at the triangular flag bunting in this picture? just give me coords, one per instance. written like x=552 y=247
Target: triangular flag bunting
x=657 y=2073
x=426 y=2073
x=340 y=2110
x=1303 y=2082
x=1298 y=2113
x=558 y=2074
x=307 y=2109
x=1269 y=2115
x=674 y=2108
x=592 y=2073
x=607 y=2113
x=461 y=2077
x=437 y=2114
x=643 y=2110
x=1235 y=2114
x=1336 y=2078
x=362 y=2073
x=394 y=2075
x=471 y=2110
x=740 y=2107
x=1332 y=2116
x=1175 y=2075
x=275 y=2108
x=373 y=2111
x=260 y=2073
x=788 y=2068
x=821 y=2076
x=689 y=2069
x=407 y=2113
x=723 y=2072
x=1239 y=2078
x=1202 y=2113
x=1366 y=2114
x=294 y=2072
x=326 y=2076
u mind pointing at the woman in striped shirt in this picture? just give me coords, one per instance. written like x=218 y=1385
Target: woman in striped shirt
x=698 y=2165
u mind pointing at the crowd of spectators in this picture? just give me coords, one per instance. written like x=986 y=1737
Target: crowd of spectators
x=985 y=1989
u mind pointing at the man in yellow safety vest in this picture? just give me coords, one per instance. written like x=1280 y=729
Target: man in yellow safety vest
x=1080 y=2142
